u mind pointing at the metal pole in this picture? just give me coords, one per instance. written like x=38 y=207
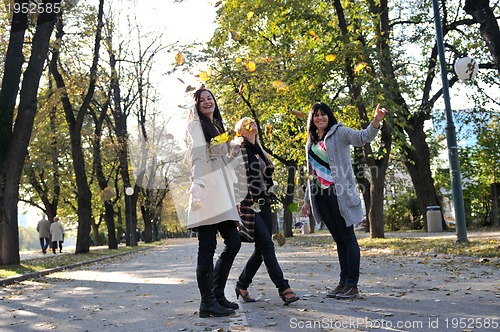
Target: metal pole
x=456 y=177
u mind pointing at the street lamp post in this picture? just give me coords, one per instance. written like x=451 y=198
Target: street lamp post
x=456 y=177
x=129 y=191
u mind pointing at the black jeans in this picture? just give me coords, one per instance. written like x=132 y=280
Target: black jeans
x=264 y=252
x=345 y=238
x=207 y=242
x=54 y=245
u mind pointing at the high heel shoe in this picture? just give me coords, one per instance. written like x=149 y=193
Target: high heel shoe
x=245 y=297
x=290 y=299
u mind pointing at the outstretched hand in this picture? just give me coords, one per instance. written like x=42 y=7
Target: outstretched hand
x=379 y=115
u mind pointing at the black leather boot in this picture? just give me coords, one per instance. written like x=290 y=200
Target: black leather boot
x=221 y=273
x=209 y=306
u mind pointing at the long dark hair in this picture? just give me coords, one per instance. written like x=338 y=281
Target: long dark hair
x=210 y=129
x=312 y=130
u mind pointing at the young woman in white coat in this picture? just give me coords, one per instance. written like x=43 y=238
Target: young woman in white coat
x=332 y=193
x=212 y=204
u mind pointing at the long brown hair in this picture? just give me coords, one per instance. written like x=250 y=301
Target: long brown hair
x=210 y=129
x=312 y=130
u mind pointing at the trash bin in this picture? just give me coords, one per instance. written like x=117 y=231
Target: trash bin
x=306 y=227
x=434 y=219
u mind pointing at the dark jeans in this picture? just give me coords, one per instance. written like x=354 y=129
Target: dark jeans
x=345 y=238
x=44 y=243
x=54 y=245
x=264 y=252
x=207 y=242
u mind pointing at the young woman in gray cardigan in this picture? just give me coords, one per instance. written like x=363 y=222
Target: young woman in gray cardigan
x=331 y=193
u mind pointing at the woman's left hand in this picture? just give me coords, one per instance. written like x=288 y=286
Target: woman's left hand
x=379 y=115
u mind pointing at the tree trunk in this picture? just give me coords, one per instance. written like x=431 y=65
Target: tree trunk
x=378 y=165
x=495 y=204
x=109 y=215
x=101 y=178
x=363 y=183
x=377 y=206
x=14 y=150
x=14 y=61
x=120 y=119
x=290 y=188
x=488 y=26
x=84 y=195
x=417 y=163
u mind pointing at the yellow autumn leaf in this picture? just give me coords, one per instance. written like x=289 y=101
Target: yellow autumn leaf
x=359 y=67
x=179 y=58
x=250 y=15
x=269 y=131
x=238 y=60
x=248 y=125
x=203 y=75
x=223 y=138
x=251 y=66
x=330 y=58
x=277 y=84
x=313 y=34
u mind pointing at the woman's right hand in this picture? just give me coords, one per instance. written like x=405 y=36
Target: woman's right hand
x=196 y=192
x=306 y=207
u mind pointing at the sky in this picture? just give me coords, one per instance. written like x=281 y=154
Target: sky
x=184 y=22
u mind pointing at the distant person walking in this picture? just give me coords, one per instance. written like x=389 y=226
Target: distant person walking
x=43 y=229
x=57 y=234
x=332 y=193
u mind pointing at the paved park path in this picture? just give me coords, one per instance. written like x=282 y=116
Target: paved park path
x=155 y=290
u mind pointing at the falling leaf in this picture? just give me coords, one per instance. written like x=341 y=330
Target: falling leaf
x=190 y=88
x=293 y=207
x=247 y=125
x=218 y=3
x=234 y=35
x=298 y=114
x=330 y=57
x=251 y=66
x=241 y=89
x=255 y=207
x=313 y=34
x=280 y=86
x=269 y=131
x=360 y=66
x=250 y=15
x=223 y=138
x=204 y=75
x=179 y=58
x=181 y=80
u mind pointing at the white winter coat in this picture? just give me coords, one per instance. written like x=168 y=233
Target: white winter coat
x=210 y=168
x=56 y=231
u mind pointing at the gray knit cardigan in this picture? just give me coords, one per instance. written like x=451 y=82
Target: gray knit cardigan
x=338 y=141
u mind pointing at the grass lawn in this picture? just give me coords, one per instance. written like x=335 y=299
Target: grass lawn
x=480 y=244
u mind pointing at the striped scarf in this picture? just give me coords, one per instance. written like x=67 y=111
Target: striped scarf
x=321 y=168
